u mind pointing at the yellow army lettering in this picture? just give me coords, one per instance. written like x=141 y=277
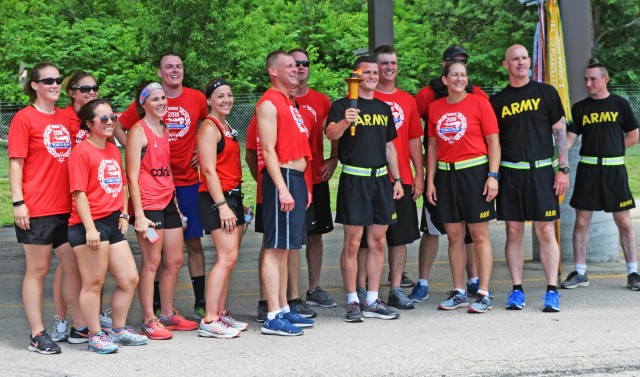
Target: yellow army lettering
x=484 y=215
x=520 y=107
x=372 y=120
x=605 y=116
x=626 y=203
x=550 y=213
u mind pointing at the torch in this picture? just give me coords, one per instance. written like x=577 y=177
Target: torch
x=353 y=83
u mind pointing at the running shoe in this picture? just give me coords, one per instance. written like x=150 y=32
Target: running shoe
x=456 y=300
x=482 y=304
x=297 y=320
x=405 y=280
x=354 y=314
x=551 y=302
x=575 y=280
x=419 y=292
x=399 y=299
x=362 y=296
x=302 y=308
x=262 y=310
x=127 y=336
x=176 y=322
x=217 y=329
x=633 y=281
x=105 y=319
x=379 y=310
x=155 y=330
x=43 y=344
x=320 y=297
x=472 y=289
x=78 y=336
x=232 y=322
x=280 y=326
x=199 y=310
x=515 y=300
x=59 y=329
x=101 y=343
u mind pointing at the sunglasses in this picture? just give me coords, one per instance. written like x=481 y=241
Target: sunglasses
x=305 y=63
x=464 y=61
x=104 y=119
x=233 y=134
x=86 y=88
x=50 y=80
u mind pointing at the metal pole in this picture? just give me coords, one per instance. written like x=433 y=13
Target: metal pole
x=380 y=23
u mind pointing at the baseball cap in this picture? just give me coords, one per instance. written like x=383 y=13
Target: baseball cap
x=454 y=50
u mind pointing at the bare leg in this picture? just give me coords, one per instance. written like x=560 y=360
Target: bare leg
x=627 y=235
x=293 y=275
x=581 y=236
x=457 y=253
x=37 y=260
x=348 y=258
x=428 y=251
x=172 y=249
x=513 y=250
x=71 y=283
x=123 y=268
x=484 y=253
x=549 y=250
x=397 y=262
x=93 y=268
x=376 y=240
x=361 y=278
x=314 y=259
x=217 y=284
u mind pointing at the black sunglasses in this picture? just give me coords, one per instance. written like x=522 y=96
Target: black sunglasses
x=464 y=61
x=87 y=88
x=305 y=63
x=104 y=119
x=50 y=80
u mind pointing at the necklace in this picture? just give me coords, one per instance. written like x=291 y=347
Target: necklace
x=231 y=133
x=155 y=142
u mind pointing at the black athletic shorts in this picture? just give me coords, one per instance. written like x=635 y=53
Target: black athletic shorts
x=460 y=196
x=365 y=201
x=211 y=217
x=167 y=218
x=106 y=226
x=257 y=219
x=45 y=230
x=527 y=195
x=406 y=230
x=602 y=188
x=284 y=230
x=320 y=216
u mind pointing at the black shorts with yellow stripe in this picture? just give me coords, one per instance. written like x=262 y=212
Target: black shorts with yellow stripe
x=602 y=188
x=527 y=194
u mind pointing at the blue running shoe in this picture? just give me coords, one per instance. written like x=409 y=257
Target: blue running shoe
x=419 y=292
x=515 y=300
x=297 y=320
x=280 y=326
x=481 y=305
x=456 y=300
x=551 y=302
x=472 y=289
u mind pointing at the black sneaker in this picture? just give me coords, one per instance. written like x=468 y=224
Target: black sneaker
x=378 y=310
x=77 y=337
x=43 y=344
x=399 y=299
x=405 y=280
x=262 y=310
x=353 y=313
x=633 y=281
x=301 y=307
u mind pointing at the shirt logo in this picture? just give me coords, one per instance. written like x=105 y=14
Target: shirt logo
x=451 y=127
x=110 y=177
x=312 y=111
x=81 y=135
x=515 y=108
x=398 y=114
x=57 y=141
x=602 y=117
x=299 y=122
x=178 y=122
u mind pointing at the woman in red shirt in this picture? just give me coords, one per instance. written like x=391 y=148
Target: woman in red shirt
x=220 y=204
x=157 y=221
x=39 y=146
x=98 y=226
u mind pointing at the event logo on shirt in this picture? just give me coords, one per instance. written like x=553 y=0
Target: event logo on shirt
x=398 y=114
x=110 y=177
x=299 y=122
x=81 y=135
x=57 y=141
x=178 y=121
x=451 y=127
x=312 y=111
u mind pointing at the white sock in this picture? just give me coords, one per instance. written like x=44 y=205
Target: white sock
x=285 y=309
x=484 y=293
x=371 y=297
x=464 y=292
x=632 y=267
x=423 y=282
x=272 y=315
x=581 y=268
x=352 y=297
x=474 y=280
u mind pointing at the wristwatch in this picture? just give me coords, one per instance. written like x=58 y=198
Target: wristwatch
x=495 y=175
x=124 y=216
x=397 y=180
x=564 y=170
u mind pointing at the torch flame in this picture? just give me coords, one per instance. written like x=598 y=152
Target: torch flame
x=359 y=71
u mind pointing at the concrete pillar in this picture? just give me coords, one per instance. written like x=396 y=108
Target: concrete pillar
x=380 y=23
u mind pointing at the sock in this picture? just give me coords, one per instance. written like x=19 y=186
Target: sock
x=462 y=291
x=552 y=288
x=474 y=280
x=423 y=282
x=371 y=297
x=632 y=267
x=518 y=287
x=156 y=291
x=581 y=268
x=272 y=315
x=483 y=293
x=198 y=283
x=285 y=309
x=118 y=329
x=352 y=297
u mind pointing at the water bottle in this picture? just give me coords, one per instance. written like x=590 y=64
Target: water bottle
x=248 y=216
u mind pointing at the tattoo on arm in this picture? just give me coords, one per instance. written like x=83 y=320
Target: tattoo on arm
x=560 y=136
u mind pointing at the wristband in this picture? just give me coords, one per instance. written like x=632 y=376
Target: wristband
x=124 y=216
x=218 y=204
x=18 y=203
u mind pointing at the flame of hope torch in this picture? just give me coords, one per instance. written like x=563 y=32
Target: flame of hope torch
x=353 y=85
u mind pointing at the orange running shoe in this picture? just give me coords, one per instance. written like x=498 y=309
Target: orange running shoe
x=155 y=330
x=176 y=322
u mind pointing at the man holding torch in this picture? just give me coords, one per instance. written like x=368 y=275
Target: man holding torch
x=365 y=132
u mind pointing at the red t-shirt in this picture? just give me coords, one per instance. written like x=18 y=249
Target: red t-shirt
x=44 y=142
x=156 y=186
x=461 y=127
x=227 y=163
x=253 y=143
x=98 y=173
x=184 y=113
x=426 y=96
x=318 y=105
x=408 y=126
x=77 y=133
x=292 y=134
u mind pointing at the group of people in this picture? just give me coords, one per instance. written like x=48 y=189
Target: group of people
x=486 y=158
